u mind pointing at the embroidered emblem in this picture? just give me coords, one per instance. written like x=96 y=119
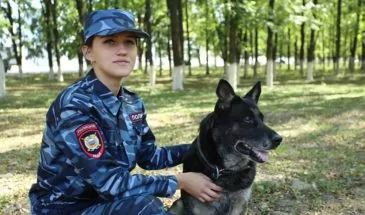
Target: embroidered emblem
x=90 y=140
x=136 y=116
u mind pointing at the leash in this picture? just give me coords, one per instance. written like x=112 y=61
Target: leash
x=215 y=172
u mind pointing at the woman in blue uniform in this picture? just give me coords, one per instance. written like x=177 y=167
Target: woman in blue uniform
x=96 y=132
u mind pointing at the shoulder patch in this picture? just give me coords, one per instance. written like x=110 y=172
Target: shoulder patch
x=136 y=116
x=90 y=140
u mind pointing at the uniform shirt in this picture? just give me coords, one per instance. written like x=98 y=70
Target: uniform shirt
x=92 y=141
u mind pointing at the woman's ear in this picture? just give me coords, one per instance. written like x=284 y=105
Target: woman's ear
x=86 y=50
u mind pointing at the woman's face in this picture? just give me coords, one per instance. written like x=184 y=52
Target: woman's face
x=112 y=56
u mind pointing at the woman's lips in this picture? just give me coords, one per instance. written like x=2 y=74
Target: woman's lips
x=121 y=62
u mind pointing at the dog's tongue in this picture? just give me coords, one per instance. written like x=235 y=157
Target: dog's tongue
x=263 y=155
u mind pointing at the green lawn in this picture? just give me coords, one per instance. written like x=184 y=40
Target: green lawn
x=322 y=124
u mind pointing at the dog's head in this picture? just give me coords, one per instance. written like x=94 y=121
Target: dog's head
x=237 y=126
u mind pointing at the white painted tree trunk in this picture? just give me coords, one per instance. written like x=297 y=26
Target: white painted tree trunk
x=310 y=71
x=51 y=74
x=225 y=69
x=178 y=78
x=238 y=74
x=2 y=79
x=60 y=75
x=152 y=73
x=232 y=75
x=270 y=73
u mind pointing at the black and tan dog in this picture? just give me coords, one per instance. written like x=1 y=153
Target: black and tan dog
x=232 y=139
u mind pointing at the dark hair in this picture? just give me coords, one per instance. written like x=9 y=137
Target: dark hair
x=89 y=42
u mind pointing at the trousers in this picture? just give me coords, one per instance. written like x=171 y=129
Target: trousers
x=133 y=205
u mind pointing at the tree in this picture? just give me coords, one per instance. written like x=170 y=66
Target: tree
x=149 y=58
x=270 y=47
x=354 y=42
x=15 y=35
x=46 y=11
x=311 y=48
x=338 y=37
x=175 y=11
x=2 y=78
x=302 y=45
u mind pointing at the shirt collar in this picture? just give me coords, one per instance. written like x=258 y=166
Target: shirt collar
x=111 y=102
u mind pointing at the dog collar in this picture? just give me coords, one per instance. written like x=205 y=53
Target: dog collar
x=214 y=171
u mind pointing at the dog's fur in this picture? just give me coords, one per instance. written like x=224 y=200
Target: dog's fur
x=232 y=139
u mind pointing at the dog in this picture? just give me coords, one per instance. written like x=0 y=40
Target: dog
x=232 y=140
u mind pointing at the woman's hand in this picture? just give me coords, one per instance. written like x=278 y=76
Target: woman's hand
x=199 y=186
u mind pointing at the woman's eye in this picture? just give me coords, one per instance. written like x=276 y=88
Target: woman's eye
x=130 y=42
x=109 y=42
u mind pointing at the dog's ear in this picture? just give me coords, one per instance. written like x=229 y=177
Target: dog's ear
x=254 y=93
x=225 y=91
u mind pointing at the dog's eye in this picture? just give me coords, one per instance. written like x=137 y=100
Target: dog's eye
x=248 y=119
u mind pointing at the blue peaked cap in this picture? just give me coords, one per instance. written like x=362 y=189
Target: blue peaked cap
x=111 y=21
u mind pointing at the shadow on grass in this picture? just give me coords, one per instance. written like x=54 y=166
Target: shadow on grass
x=21 y=160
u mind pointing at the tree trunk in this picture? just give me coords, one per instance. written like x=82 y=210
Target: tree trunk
x=232 y=55
x=140 y=49
x=20 y=45
x=175 y=10
x=296 y=56
x=256 y=52
x=149 y=56
x=56 y=40
x=338 y=37
x=289 y=48
x=17 y=54
x=246 y=55
x=311 y=50
x=2 y=79
x=81 y=15
x=169 y=49
x=270 y=48
x=198 y=53
x=354 y=42
x=188 y=35
x=48 y=20
x=301 y=54
x=206 y=38
x=363 y=56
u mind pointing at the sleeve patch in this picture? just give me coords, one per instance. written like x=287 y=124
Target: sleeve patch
x=136 y=116
x=90 y=140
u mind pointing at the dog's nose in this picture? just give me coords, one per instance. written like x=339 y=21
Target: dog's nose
x=276 y=140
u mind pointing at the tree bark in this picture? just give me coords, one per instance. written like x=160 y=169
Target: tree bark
x=289 y=49
x=48 y=21
x=206 y=38
x=311 y=50
x=338 y=37
x=232 y=44
x=81 y=15
x=246 y=55
x=17 y=49
x=56 y=39
x=256 y=52
x=301 y=52
x=188 y=35
x=270 y=48
x=149 y=57
x=175 y=10
x=2 y=79
x=354 y=42
x=363 y=56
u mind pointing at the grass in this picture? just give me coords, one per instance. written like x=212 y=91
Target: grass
x=322 y=123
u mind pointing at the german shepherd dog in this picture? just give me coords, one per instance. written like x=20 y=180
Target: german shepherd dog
x=232 y=139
